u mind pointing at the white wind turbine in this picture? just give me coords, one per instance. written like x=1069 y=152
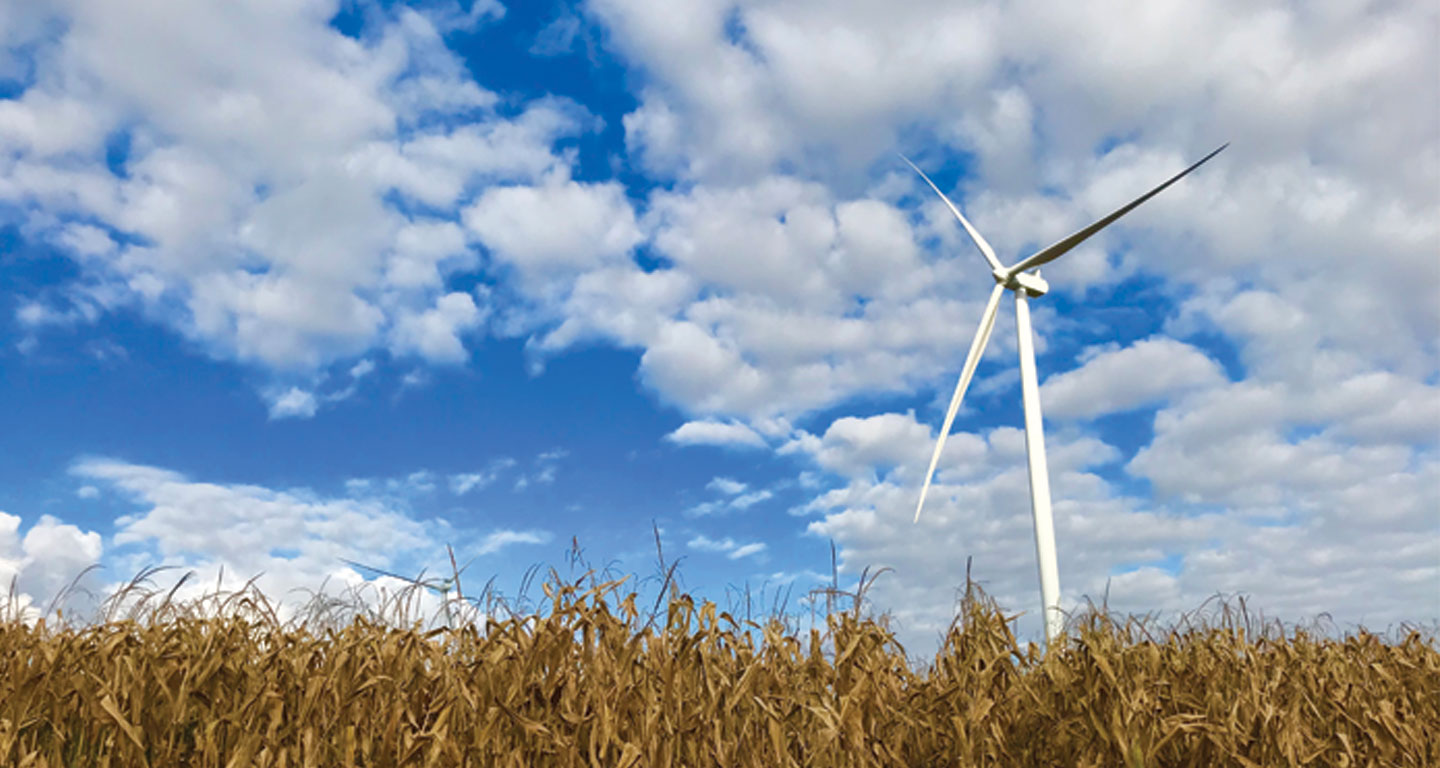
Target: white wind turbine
x=1024 y=283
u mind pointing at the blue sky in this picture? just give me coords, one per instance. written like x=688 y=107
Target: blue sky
x=286 y=286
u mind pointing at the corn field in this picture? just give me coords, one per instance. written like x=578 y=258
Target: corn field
x=592 y=679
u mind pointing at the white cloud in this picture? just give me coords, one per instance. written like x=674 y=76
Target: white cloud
x=724 y=103
x=777 y=336
x=746 y=550
x=1336 y=402
x=705 y=508
x=435 y=333
x=420 y=481
x=452 y=15
x=737 y=499
x=748 y=500
x=293 y=403
x=810 y=300
x=1258 y=448
x=1230 y=447
x=726 y=485
x=731 y=434
x=500 y=539
x=394 y=489
x=706 y=544
x=558 y=37
x=463 y=483
x=362 y=369
x=860 y=446
x=1147 y=372
x=256 y=211
x=727 y=546
x=291 y=539
x=40 y=564
x=294 y=540
x=559 y=226
x=546 y=467
x=35 y=314
x=424 y=252
x=620 y=303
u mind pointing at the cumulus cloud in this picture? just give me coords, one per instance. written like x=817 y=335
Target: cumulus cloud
x=561 y=225
x=809 y=299
x=718 y=433
x=289 y=539
x=1260 y=448
x=1253 y=257
x=435 y=333
x=241 y=523
x=1296 y=528
x=725 y=102
x=292 y=540
x=40 y=564
x=287 y=209
x=741 y=228
x=854 y=446
x=1112 y=380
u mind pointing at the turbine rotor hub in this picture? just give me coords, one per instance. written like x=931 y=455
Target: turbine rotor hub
x=1031 y=283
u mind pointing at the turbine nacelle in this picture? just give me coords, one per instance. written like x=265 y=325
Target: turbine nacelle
x=1031 y=282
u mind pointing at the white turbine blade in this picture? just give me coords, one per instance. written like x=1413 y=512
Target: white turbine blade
x=409 y=580
x=980 y=243
x=1059 y=249
x=977 y=348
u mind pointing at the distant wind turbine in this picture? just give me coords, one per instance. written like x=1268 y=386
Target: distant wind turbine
x=1025 y=284
x=441 y=587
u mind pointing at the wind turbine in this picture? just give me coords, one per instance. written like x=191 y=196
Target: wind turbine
x=441 y=587
x=1026 y=284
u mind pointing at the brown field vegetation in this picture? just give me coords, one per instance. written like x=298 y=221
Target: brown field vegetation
x=594 y=680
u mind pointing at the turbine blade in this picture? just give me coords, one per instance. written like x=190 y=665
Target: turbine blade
x=1059 y=249
x=373 y=569
x=977 y=348
x=980 y=243
x=416 y=581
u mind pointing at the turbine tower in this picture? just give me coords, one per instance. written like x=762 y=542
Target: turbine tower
x=1026 y=284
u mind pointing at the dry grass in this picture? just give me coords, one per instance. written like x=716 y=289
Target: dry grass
x=592 y=679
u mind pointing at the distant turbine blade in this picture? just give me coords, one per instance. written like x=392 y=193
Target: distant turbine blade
x=1059 y=249
x=373 y=569
x=977 y=348
x=391 y=574
x=979 y=241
